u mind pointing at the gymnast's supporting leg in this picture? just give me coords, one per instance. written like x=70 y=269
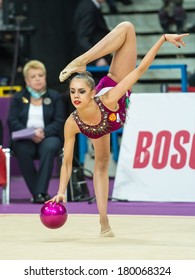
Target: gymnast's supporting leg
x=101 y=181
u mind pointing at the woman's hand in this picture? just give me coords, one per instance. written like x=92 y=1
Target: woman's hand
x=39 y=135
x=58 y=198
x=176 y=39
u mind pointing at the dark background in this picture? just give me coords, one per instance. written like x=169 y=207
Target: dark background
x=51 y=41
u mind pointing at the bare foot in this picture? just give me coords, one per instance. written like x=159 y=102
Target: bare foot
x=74 y=67
x=107 y=233
x=106 y=230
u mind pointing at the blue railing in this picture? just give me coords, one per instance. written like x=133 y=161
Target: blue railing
x=182 y=67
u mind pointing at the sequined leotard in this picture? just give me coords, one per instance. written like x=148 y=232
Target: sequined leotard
x=110 y=120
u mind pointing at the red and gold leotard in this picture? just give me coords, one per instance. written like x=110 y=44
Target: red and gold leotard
x=110 y=120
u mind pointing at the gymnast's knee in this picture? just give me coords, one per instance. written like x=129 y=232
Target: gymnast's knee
x=102 y=164
x=127 y=26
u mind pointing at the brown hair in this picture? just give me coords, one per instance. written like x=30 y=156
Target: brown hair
x=87 y=76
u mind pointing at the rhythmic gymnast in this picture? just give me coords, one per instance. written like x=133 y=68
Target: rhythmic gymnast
x=102 y=109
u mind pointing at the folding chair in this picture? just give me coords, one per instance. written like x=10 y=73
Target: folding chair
x=6 y=187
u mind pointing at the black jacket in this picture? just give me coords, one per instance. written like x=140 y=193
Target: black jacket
x=89 y=26
x=53 y=112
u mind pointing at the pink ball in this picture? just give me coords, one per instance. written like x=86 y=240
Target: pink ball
x=53 y=215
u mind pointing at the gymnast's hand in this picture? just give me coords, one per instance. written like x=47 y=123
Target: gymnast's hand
x=176 y=39
x=57 y=198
